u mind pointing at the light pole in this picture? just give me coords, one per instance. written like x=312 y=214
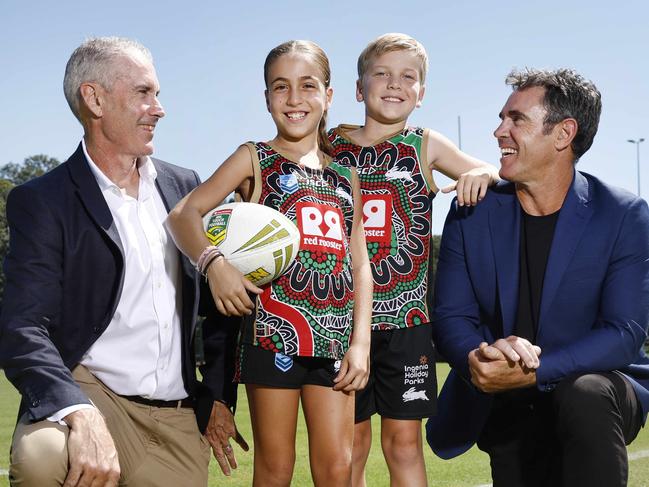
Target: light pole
x=637 y=147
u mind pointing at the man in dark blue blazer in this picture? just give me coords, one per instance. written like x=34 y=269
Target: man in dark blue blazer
x=99 y=308
x=542 y=303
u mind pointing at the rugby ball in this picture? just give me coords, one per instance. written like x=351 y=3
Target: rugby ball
x=258 y=240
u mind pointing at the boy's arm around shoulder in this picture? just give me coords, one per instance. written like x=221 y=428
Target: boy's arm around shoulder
x=472 y=175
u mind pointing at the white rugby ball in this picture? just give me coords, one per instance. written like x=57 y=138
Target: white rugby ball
x=259 y=241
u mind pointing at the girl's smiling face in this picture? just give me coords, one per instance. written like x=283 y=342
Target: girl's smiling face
x=296 y=95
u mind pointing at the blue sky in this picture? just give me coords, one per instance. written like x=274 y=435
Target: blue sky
x=209 y=58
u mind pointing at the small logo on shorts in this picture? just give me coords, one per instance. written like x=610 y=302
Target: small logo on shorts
x=283 y=362
x=337 y=365
x=416 y=374
x=412 y=395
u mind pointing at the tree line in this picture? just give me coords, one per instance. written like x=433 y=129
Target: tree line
x=12 y=174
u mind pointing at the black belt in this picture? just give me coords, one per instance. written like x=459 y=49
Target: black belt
x=159 y=403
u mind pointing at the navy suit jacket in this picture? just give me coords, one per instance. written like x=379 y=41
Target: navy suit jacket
x=64 y=274
x=594 y=307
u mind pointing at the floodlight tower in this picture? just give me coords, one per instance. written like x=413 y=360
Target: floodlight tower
x=637 y=147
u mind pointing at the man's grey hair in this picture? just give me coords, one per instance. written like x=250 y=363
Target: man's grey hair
x=92 y=61
x=567 y=95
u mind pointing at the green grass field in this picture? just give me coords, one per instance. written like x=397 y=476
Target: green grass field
x=469 y=470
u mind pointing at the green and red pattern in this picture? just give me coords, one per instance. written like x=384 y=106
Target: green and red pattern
x=397 y=206
x=308 y=310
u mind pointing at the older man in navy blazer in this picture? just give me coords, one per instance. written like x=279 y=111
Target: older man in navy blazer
x=99 y=308
x=542 y=303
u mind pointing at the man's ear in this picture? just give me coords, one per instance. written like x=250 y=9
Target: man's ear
x=565 y=133
x=91 y=98
x=359 y=90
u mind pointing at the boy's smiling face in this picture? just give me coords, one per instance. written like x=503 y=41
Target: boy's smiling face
x=391 y=87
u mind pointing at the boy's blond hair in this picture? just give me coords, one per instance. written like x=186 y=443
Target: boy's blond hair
x=393 y=42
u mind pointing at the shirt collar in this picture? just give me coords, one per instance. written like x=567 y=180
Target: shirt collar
x=144 y=166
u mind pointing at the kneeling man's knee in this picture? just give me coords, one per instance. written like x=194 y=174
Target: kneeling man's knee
x=39 y=455
x=583 y=401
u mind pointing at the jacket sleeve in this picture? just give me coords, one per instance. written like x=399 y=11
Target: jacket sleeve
x=457 y=327
x=220 y=343
x=618 y=335
x=31 y=307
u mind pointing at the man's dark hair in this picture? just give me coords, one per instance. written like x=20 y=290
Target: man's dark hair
x=567 y=95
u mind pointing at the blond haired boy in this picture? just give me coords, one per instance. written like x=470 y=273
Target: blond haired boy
x=395 y=165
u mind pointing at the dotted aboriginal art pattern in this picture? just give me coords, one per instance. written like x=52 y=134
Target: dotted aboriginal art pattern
x=307 y=311
x=397 y=205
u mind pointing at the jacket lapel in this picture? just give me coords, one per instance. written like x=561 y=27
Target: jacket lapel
x=91 y=196
x=167 y=185
x=573 y=218
x=504 y=225
x=171 y=193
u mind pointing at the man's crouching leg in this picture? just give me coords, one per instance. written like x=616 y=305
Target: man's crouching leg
x=597 y=415
x=39 y=455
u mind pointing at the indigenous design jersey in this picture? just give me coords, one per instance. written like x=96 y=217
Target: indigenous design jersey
x=308 y=310
x=397 y=190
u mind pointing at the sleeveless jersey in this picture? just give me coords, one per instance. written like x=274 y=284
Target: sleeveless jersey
x=397 y=190
x=307 y=311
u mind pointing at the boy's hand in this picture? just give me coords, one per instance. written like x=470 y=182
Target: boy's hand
x=472 y=185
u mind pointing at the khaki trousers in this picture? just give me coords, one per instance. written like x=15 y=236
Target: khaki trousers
x=157 y=447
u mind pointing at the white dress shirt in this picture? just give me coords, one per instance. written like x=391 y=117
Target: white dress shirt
x=139 y=353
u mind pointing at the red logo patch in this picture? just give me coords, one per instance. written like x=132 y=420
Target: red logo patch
x=377 y=218
x=321 y=228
